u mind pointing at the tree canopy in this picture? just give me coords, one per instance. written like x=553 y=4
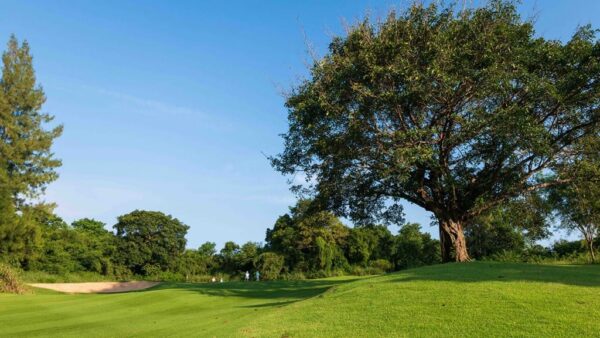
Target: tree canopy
x=454 y=111
x=149 y=241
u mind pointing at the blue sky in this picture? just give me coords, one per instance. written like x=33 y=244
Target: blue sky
x=171 y=105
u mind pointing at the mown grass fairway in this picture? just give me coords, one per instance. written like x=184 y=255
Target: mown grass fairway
x=474 y=299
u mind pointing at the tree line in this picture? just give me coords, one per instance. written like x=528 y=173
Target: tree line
x=301 y=244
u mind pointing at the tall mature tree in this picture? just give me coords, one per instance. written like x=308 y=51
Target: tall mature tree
x=454 y=111
x=25 y=145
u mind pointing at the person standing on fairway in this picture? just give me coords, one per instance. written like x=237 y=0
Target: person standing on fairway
x=247 y=276
x=257 y=276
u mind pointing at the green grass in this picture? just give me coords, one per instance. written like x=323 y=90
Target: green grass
x=475 y=299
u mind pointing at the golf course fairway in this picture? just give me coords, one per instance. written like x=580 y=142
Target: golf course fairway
x=473 y=299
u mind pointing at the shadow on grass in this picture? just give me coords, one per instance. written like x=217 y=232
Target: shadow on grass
x=579 y=275
x=281 y=292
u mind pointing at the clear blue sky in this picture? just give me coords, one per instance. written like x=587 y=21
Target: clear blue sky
x=170 y=105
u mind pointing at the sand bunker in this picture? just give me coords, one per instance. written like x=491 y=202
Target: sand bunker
x=101 y=287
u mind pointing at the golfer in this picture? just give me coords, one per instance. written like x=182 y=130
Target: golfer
x=247 y=276
x=257 y=276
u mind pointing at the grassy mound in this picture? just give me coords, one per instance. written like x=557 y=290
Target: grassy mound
x=9 y=281
x=462 y=300
x=454 y=300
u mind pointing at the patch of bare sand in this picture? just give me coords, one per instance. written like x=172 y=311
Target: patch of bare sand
x=97 y=287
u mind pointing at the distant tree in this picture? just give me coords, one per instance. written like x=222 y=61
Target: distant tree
x=90 y=225
x=512 y=226
x=207 y=249
x=413 y=248
x=358 y=250
x=370 y=242
x=191 y=263
x=25 y=146
x=149 y=240
x=578 y=202
x=227 y=257
x=456 y=112
x=64 y=248
x=57 y=246
x=309 y=239
x=247 y=255
x=207 y=254
x=100 y=245
x=270 y=265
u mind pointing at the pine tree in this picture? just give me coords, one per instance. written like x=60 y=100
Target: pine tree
x=25 y=145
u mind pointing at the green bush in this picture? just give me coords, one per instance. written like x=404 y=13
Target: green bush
x=166 y=276
x=270 y=265
x=382 y=264
x=358 y=270
x=507 y=256
x=294 y=275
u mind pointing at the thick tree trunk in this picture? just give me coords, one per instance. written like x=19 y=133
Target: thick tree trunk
x=452 y=236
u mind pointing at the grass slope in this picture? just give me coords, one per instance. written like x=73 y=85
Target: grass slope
x=475 y=299
x=454 y=300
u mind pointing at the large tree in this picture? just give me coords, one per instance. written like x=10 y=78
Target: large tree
x=149 y=241
x=25 y=143
x=454 y=111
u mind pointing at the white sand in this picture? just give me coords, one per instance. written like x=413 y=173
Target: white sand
x=100 y=287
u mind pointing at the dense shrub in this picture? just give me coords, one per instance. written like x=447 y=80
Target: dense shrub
x=10 y=281
x=295 y=275
x=270 y=265
x=382 y=264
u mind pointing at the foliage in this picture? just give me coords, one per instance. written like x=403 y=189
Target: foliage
x=247 y=255
x=413 y=248
x=227 y=257
x=454 y=111
x=578 y=201
x=25 y=146
x=512 y=226
x=270 y=265
x=308 y=239
x=10 y=281
x=382 y=264
x=11 y=235
x=149 y=240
